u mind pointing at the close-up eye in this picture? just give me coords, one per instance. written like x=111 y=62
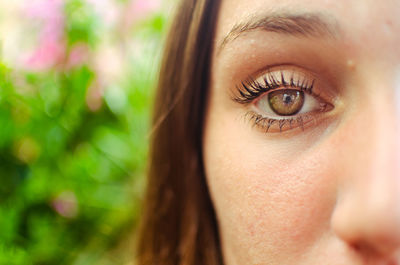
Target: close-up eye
x=282 y=100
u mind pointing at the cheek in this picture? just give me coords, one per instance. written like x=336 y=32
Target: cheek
x=272 y=198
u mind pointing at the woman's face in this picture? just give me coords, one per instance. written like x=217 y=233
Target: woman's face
x=301 y=139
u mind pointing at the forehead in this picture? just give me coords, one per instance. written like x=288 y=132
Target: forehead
x=365 y=25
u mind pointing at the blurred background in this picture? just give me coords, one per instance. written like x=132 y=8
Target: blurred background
x=76 y=84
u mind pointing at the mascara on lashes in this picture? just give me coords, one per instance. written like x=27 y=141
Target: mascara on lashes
x=251 y=89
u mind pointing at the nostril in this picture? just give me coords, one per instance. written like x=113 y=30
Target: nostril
x=357 y=247
x=364 y=249
x=374 y=254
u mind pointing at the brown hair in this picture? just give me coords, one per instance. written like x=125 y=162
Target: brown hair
x=178 y=224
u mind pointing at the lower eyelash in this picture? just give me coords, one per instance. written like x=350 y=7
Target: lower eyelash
x=266 y=123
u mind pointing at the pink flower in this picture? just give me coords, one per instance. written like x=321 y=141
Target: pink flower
x=140 y=9
x=44 y=9
x=48 y=54
x=51 y=45
x=66 y=204
x=78 y=55
x=145 y=7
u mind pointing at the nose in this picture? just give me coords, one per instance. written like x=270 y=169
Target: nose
x=367 y=213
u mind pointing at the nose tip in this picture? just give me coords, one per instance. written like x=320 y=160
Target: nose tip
x=367 y=216
x=371 y=228
x=367 y=212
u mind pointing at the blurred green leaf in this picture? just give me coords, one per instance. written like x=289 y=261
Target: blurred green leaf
x=73 y=140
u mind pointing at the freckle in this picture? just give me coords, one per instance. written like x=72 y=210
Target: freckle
x=351 y=64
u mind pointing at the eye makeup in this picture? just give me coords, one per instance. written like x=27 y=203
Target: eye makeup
x=251 y=89
x=284 y=98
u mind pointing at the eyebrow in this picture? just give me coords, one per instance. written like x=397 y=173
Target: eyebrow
x=303 y=25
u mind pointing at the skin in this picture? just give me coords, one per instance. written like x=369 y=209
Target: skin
x=328 y=193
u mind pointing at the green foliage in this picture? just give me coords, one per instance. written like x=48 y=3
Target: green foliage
x=81 y=22
x=71 y=171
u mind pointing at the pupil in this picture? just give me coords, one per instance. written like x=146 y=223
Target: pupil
x=287 y=99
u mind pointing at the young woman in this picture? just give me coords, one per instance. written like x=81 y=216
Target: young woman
x=276 y=135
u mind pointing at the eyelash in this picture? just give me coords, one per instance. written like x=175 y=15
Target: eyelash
x=251 y=89
x=265 y=123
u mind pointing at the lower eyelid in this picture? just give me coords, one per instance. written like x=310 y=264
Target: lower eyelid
x=299 y=121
